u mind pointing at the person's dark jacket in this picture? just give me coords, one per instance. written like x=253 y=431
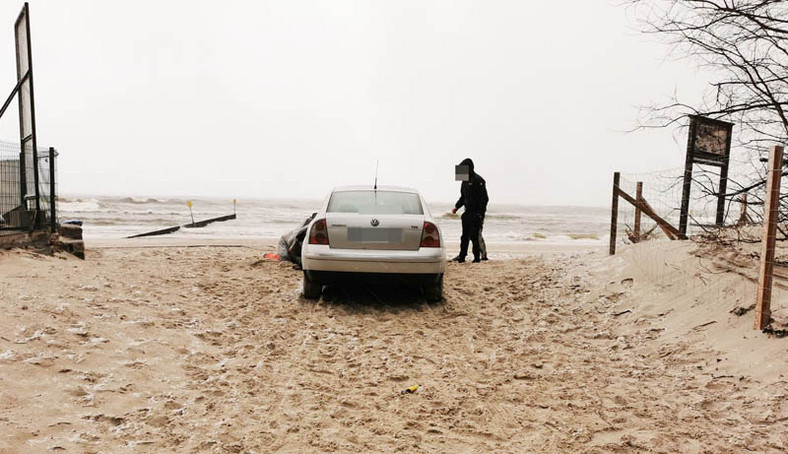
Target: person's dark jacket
x=473 y=193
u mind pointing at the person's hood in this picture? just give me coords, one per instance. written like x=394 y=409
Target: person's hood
x=468 y=162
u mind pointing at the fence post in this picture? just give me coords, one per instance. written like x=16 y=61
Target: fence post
x=763 y=310
x=22 y=179
x=687 y=185
x=614 y=213
x=720 y=220
x=52 y=194
x=639 y=199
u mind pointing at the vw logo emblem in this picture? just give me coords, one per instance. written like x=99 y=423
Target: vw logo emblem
x=374 y=222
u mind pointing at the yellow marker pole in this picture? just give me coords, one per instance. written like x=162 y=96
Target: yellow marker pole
x=234 y=202
x=189 y=204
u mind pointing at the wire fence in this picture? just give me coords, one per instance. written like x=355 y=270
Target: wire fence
x=662 y=191
x=28 y=191
x=720 y=266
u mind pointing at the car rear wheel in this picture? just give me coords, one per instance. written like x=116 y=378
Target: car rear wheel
x=312 y=290
x=434 y=292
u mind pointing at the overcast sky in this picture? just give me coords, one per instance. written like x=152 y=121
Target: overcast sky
x=289 y=98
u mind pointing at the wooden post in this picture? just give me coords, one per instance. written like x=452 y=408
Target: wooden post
x=724 y=178
x=763 y=310
x=721 y=197
x=639 y=198
x=646 y=209
x=687 y=186
x=52 y=193
x=614 y=213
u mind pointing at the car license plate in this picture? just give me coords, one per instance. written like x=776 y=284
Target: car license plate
x=363 y=235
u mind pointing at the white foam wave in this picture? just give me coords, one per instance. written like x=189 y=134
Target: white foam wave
x=79 y=206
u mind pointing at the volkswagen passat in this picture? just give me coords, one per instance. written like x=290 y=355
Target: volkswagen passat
x=367 y=234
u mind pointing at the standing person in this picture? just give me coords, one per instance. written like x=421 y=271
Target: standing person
x=473 y=196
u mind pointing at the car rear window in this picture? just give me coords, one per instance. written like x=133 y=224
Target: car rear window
x=375 y=202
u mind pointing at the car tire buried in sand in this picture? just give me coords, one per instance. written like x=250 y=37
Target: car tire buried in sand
x=312 y=290
x=434 y=292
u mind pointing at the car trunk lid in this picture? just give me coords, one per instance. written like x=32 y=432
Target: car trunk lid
x=365 y=231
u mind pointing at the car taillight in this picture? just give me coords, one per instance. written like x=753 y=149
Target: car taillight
x=318 y=234
x=430 y=236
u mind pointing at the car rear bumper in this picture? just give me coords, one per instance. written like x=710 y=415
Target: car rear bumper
x=340 y=277
x=430 y=261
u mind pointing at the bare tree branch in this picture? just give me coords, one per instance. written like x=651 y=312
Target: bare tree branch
x=743 y=47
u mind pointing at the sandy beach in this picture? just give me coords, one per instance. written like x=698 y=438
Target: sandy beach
x=154 y=347
x=152 y=165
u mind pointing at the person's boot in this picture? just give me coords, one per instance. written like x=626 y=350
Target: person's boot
x=458 y=259
x=476 y=260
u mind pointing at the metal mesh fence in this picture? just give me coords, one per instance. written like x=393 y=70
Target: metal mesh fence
x=10 y=186
x=662 y=191
x=47 y=182
x=21 y=207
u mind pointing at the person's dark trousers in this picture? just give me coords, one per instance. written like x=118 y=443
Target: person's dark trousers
x=471 y=223
x=482 y=244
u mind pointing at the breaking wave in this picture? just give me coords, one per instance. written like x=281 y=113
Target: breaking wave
x=140 y=200
x=78 y=205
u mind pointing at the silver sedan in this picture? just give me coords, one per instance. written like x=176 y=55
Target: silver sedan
x=367 y=234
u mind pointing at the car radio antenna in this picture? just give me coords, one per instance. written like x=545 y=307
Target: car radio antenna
x=376 y=175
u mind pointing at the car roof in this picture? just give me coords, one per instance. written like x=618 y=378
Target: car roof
x=370 y=188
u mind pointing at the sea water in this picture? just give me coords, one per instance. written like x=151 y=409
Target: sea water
x=119 y=217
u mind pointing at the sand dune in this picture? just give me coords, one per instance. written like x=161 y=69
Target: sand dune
x=211 y=349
